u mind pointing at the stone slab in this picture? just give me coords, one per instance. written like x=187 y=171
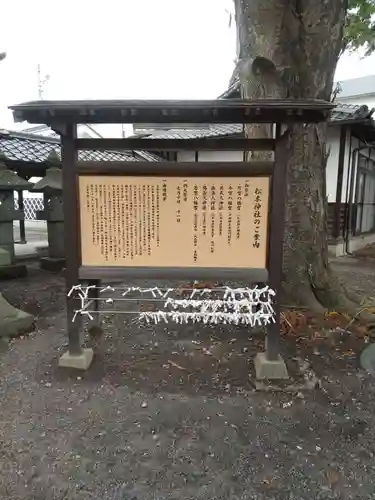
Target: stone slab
x=367 y=359
x=13 y=321
x=13 y=271
x=78 y=362
x=270 y=370
x=52 y=264
x=5 y=259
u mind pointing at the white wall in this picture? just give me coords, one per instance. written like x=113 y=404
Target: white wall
x=333 y=146
x=333 y=142
x=210 y=156
x=186 y=155
x=220 y=156
x=369 y=100
x=332 y=164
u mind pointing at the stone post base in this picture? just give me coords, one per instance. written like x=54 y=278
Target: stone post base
x=13 y=271
x=13 y=321
x=52 y=264
x=270 y=370
x=8 y=270
x=78 y=362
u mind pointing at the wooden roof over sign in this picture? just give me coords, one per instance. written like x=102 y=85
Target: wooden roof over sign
x=176 y=111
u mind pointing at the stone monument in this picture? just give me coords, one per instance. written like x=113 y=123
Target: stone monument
x=9 y=182
x=51 y=187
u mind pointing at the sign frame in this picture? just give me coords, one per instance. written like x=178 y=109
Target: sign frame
x=169 y=169
x=64 y=116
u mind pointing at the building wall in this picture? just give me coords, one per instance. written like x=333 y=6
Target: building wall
x=210 y=156
x=333 y=145
x=332 y=163
x=369 y=100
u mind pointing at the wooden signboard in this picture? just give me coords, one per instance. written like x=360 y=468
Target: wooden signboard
x=174 y=222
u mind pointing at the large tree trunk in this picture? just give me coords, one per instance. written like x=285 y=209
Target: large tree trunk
x=289 y=49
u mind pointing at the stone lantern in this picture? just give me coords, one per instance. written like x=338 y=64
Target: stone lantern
x=9 y=182
x=51 y=187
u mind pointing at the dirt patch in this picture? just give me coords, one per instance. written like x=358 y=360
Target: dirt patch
x=366 y=252
x=171 y=412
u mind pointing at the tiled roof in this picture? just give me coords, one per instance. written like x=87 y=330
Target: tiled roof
x=343 y=112
x=42 y=130
x=18 y=146
x=148 y=156
x=45 y=131
x=194 y=133
x=350 y=112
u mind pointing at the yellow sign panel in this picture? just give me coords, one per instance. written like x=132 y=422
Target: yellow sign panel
x=174 y=222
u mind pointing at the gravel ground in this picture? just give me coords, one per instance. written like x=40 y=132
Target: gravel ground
x=173 y=414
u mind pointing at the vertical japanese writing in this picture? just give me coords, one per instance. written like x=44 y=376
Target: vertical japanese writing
x=221 y=208
x=131 y=222
x=213 y=217
x=153 y=212
x=149 y=211
x=164 y=190
x=127 y=220
x=97 y=222
x=239 y=208
x=204 y=209
x=158 y=215
x=122 y=223
x=247 y=188
x=178 y=200
x=195 y=222
x=112 y=220
x=135 y=220
x=118 y=241
x=257 y=216
x=144 y=218
x=230 y=207
x=139 y=220
x=185 y=191
x=89 y=208
x=105 y=220
x=92 y=207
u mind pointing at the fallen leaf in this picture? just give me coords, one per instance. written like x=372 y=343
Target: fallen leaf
x=332 y=478
x=176 y=365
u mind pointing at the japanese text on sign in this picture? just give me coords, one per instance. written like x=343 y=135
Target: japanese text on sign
x=172 y=222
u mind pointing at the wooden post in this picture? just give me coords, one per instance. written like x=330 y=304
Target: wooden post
x=71 y=233
x=276 y=242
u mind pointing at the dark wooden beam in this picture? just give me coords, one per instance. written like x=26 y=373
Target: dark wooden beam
x=212 y=111
x=340 y=176
x=200 y=144
x=174 y=273
x=173 y=169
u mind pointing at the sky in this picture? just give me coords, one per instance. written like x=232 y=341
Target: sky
x=122 y=49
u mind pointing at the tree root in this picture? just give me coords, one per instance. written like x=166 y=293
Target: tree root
x=309 y=298
x=329 y=295
x=302 y=296
x=352 y=295
x=336 y=296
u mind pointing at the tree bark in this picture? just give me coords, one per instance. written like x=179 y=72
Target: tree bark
x=290 y=49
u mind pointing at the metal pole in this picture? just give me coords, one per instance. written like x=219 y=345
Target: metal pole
x=22 y=221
